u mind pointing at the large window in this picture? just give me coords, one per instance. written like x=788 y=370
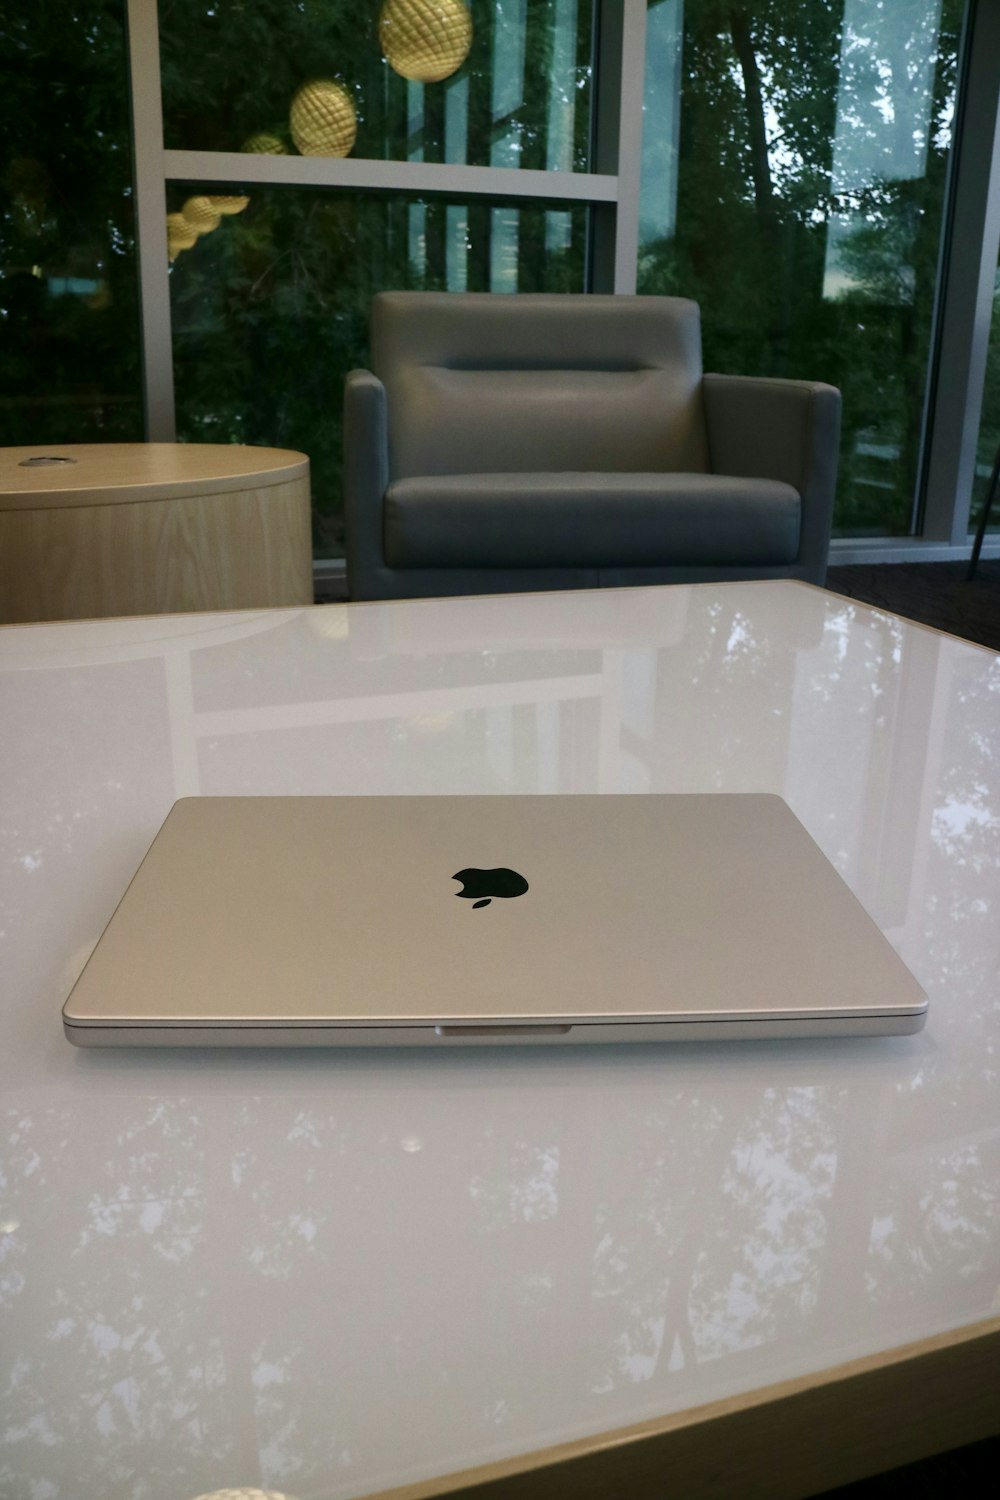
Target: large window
x=511 y=79
x=789 y=164
x=794 y=170
x=70 y=367
x=271 y=285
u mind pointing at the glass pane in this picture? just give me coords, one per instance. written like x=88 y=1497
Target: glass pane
x=989 y=424
x=270 y=303
x=495 y=83
x=69 y=349
x=794 y=161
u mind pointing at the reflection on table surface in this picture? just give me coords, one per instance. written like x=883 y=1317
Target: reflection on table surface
x=325 y=1274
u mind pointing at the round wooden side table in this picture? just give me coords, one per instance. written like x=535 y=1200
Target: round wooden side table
x=97 y=529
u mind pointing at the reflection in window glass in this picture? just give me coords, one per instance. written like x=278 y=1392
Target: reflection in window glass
x=520 y=98
x=270 y=304
x=989 y=423
x=794 y=162
x=69 y=345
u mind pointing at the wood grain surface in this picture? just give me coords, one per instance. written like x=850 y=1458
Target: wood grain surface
x=246 y=548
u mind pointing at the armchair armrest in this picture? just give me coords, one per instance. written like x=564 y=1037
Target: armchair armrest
x=789 y=430
x=366 y=477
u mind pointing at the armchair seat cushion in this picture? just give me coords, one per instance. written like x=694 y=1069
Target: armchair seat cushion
x=589 y=520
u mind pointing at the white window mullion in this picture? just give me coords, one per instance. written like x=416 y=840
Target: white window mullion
x=151 y=218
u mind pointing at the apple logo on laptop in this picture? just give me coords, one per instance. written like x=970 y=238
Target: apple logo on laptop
x=480 y=886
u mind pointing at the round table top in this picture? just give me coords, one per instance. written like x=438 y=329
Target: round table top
x=106 y=473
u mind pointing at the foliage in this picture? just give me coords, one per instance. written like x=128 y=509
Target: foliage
x=69 y=357
x=790 y=131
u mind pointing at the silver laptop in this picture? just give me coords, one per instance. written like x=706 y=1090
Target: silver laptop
x=368 y=921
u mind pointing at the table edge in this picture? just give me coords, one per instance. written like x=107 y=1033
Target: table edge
x=277 y=466
x=783 y=1441
x=893 y=614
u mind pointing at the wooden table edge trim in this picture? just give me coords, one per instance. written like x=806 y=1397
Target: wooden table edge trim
x=136 y=492
x=781 y=1442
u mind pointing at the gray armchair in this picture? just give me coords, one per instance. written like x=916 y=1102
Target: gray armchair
x=510 y=443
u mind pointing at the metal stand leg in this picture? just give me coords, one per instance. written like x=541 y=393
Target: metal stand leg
x=991 y=494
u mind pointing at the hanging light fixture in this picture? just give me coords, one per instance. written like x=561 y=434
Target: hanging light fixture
x=322 y=119
x=231 y=203
x=425 y=40
x=181 y=235
x=201 y=214
x=264 y=144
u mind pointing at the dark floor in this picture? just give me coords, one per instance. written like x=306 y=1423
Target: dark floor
x=962 y=1474
x=934 y=593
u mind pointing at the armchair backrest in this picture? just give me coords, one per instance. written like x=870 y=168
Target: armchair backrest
x=496 y=383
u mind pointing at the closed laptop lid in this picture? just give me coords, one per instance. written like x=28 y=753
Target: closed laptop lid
x=449 y=911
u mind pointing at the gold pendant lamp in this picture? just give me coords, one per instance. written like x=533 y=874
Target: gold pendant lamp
x=227 y=203
x=425 y=40
x=263 y=144
x=322 y=119
x=201 y=214
x=181 y=235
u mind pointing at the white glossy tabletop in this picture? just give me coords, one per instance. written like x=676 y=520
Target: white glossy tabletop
x=327 y=1274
